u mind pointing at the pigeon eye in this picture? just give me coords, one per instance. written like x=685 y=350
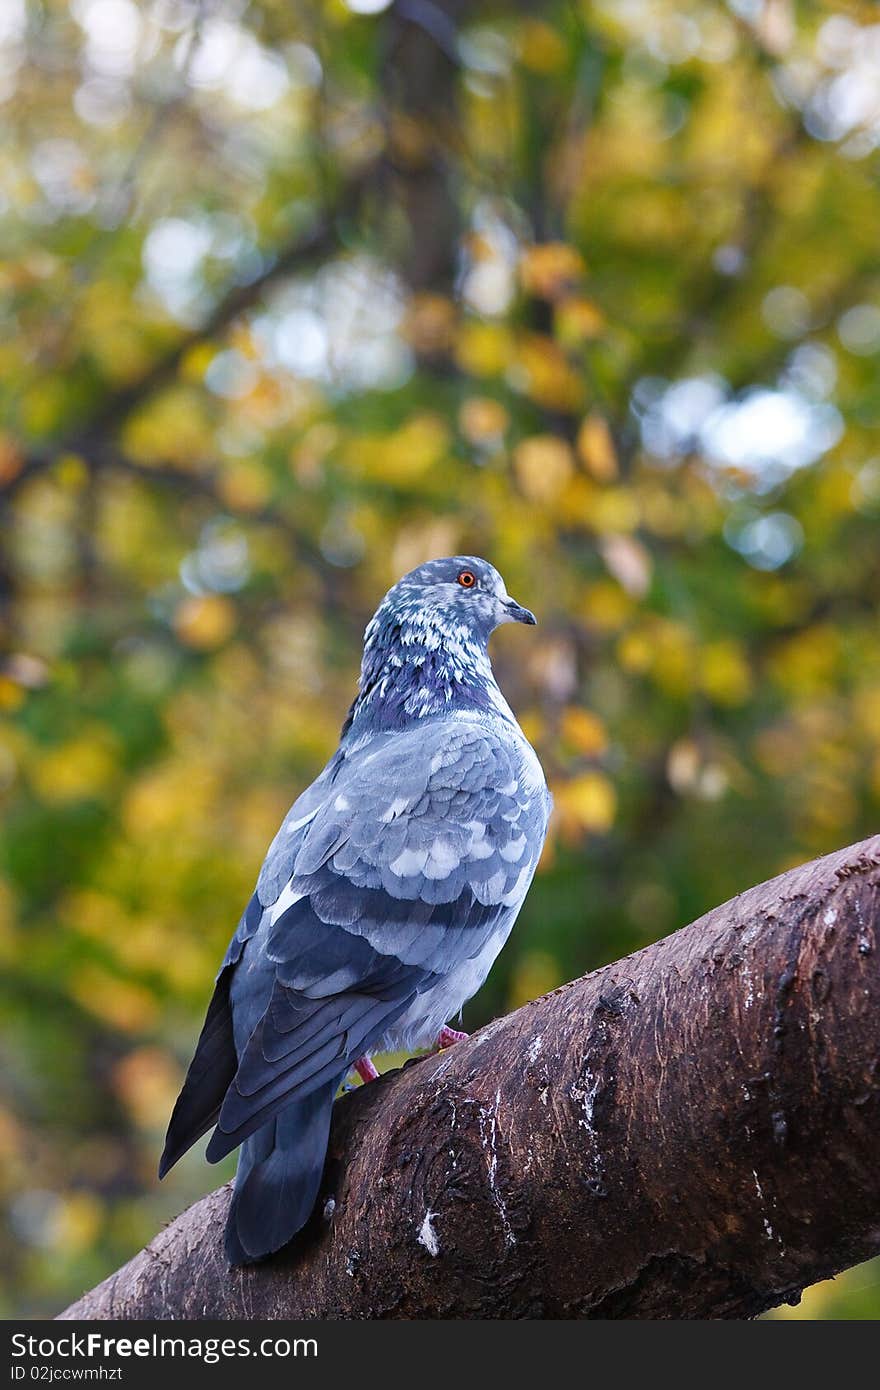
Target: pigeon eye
x=467 y=579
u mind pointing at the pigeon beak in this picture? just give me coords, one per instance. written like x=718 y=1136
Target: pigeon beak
x=517 y=614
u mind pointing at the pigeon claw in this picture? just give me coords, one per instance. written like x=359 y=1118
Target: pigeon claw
x=447 y=1036
x=365 y=1069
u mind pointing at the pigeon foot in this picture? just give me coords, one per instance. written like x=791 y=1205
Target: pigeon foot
x=365 y=1069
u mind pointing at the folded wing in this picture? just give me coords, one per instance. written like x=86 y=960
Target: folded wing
x=414 y=852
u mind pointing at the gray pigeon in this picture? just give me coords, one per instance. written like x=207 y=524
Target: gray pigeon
x=384 y=899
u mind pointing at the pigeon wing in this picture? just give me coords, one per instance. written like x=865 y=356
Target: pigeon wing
x=214 y=1064
x=422 y=848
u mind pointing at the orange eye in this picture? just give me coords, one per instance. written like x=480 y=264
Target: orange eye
x=467 y=579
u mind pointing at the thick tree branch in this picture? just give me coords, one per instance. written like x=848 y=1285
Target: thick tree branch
x=690 y=1132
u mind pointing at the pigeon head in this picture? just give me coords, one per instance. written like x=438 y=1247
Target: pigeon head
x=461 y=593
x=425 y=648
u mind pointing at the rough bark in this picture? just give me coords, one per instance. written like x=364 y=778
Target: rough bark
x=690 y=1132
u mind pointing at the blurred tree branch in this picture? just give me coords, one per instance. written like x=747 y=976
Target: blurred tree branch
x=690 y=1132
x=420 y=67
x=93 y=436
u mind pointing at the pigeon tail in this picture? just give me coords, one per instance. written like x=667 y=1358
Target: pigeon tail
x=278 y=1177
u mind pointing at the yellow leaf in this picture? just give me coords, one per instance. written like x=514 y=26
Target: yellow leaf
x=549 y=270
x=84 y=767
x=584 y=731
x=543 y=465
x=245 y=487
x=543 y=372
x=663 y=648
x=673 y=663
x=596 y=448
x=483 y=349
x=483 y=420
x=12 y=696
x=8 y=921
x=635 y=652
x=588 y=801
x=176 y=428
x=866 y=709
x=615 y=509
x=577 y=503
x=577 y=320
x=129 y=1007
x=77 y=1222
x=541 y=48
x=204 y=622
x=804 y=666
x=71 y=472
x=147 y=1083
x=401 y=456
x=662 y=512
x=306 y=459
x=197 y=361
x=725 y=674
x=605 y=605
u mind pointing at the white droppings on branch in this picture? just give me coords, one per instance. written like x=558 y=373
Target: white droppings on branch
x=488 y=1138
x=584 y=1093
x=865 y=938
x=768 y=1229
x=427 y=1235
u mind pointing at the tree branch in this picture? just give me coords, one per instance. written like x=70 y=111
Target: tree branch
x=321 y=240
x=92 y=435
x=690 y=1132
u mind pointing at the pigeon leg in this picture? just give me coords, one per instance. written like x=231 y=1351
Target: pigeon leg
x=365 y=1069
x=447 y=1036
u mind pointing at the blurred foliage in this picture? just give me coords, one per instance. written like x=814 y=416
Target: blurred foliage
x=295 y=295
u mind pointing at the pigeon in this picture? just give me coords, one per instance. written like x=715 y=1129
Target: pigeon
x=386 y=895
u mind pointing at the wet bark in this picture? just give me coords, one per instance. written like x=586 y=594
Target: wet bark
x=690 y=1132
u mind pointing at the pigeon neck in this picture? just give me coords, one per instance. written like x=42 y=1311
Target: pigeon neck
x=414 y=670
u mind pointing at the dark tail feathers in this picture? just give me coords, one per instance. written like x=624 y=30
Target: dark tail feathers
x=209 y=1077
x=279 y=1174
